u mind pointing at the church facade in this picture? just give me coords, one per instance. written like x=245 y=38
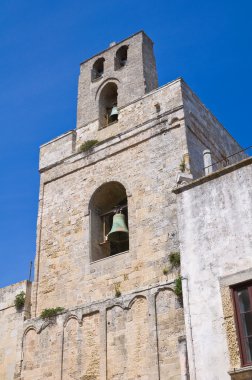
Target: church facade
x=143 y=238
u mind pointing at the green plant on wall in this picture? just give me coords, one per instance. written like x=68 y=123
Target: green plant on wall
x=165 y=271
x=49 y=313
x=19 y=300
x=174 y=259
x=178 y=286
x=87 y=145
x=117 y=290
x=182 y=166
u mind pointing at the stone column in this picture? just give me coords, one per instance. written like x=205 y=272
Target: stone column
x=154 y=368
x=183 y=358
x=207 y=161
x=103 y=344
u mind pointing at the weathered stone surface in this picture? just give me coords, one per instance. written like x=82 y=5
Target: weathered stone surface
x=215 y=219
x=139 y=333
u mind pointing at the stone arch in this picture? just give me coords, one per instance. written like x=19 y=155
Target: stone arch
x=31 y=327
x=30 y=351
x=103 y=84
x=98 y=185
x=97 y=69
x=170 y=288
x=133 y=300
x=108 y=111
x=71 y=316
x=108 y=199
x=121 y=57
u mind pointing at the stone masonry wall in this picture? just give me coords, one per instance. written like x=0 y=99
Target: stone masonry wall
x=204 y=131
x=138 y=333
x=145 y=159
x=102 y=337
x=133 y=116
x=133 y=80
x=124 y=338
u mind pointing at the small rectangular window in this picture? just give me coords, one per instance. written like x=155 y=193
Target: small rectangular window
x=242 y=296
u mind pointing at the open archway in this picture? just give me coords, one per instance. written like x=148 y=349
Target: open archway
x=108 y=113
x=107 y=200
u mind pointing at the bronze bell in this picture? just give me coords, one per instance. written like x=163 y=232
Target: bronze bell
x=119 y=231
x=114 y=114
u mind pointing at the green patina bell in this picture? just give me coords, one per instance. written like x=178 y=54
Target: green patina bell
x=119 y=231
x=114 y=114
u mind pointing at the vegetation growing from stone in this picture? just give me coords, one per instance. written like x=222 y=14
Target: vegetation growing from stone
x=87 y=145
x=182 y=166
x=117 y=290
x=19 y=300
x=165 y=271
x=174 y=259
x=178 y=287
x=49 y=313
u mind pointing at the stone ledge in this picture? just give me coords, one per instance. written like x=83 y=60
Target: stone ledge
x=244 y=373
x=210 y=177
x=111 y=142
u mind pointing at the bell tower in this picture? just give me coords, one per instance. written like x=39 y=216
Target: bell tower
x=114 y=78
x=108 y=251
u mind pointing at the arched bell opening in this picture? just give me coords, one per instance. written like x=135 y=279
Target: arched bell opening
x=109 y=221
x=98 y=69
x=121 y=57
x=108 y=105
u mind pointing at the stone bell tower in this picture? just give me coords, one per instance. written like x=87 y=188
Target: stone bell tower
x=122 y=318
x=129 y=65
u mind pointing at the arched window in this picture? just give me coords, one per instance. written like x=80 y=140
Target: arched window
x=98 y=69
x=109 y=200
x=121 y=57
x=108 y=105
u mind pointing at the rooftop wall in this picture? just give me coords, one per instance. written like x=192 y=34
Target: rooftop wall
x=204 y=131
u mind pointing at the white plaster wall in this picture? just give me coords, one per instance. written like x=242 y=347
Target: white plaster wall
x=215 y=220
x=11 y=327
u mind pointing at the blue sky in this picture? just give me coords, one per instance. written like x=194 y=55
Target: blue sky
x=42 y=42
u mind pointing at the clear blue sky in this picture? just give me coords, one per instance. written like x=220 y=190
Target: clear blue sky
x=42 y=42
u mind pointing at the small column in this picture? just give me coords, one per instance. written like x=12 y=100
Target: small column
x=103 y=343
x=207 y=161
x=183 y=358
x=154 y=371
x=186 y=159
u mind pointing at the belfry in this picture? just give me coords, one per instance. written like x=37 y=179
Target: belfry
x=132 y=280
